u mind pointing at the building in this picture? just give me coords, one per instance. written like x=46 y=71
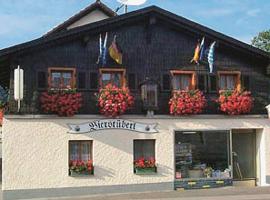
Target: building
x=210 y=149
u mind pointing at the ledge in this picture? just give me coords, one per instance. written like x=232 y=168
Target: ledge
x=138 y=117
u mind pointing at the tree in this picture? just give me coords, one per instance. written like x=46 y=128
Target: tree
x=262 y=41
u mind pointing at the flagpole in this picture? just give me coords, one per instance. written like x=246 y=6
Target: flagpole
x=126 y=9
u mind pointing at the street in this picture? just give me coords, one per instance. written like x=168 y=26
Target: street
x=232 y=193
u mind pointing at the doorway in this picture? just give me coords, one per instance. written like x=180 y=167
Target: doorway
x=244 y=156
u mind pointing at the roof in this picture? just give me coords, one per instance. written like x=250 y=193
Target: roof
x=106 y=24
x=97 y=5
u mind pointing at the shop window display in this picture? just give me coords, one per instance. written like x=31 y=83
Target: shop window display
x=202 y=154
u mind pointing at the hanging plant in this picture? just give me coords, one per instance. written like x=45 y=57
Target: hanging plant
x=235 y=102
x=62 y=102
x=186 y=102
x=114 y=101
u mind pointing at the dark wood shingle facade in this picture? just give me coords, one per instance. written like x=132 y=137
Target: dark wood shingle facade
x=154 y=42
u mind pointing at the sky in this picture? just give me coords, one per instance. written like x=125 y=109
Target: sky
x=25 y=20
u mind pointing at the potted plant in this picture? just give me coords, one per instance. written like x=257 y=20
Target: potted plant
x=235 y=102
x=186 y=102
x=81 y=168
x=61 y=102
x=145 y=166
x=114 y=101
x=3 y=102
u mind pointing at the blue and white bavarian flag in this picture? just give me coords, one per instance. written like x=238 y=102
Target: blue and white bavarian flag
x=202 y=49
x=211 y=56
x=102 y=50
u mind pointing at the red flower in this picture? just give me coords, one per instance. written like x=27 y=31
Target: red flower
x=235 y=102
x=114 y=101
x=186 y=102
x=145 y=163
x=63 y=103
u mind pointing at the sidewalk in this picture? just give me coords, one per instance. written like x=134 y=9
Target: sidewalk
x=231 y=193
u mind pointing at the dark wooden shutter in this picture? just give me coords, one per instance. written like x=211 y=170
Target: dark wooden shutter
x=93 y=80
x=166 y=82
x=202 y=82
x=245 y=82
x=41 y=80
x=212 y=83
x=81 y=80
x=132 y=81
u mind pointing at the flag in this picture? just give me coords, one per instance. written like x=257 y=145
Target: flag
x=202 y=49
x=211 y=56
x=115 y=52
x=196 y=54
x=102 y=50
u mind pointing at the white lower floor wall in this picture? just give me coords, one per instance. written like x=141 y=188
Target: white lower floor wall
x=36 y=157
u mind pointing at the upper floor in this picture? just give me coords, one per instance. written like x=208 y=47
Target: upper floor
x=156 y=45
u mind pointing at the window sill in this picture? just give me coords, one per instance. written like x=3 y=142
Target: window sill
x=146 y=171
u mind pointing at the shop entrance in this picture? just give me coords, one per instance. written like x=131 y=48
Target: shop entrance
x=244 y=156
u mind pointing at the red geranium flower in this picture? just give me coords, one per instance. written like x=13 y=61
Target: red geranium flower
x=114 y=101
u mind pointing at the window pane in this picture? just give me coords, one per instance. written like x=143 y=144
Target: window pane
x=184 y=81
x=67 y=79
x=106 y=79
x=176 y=82
x=74 y=151
x=116 y=79
x=85 y=151
x=222 y=83
x=56 y=79
x=144 y=148
x=230 y=82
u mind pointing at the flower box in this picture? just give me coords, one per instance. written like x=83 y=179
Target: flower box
x=187 y=102
x=235 y=102
x=61 y=102
x=146 y=171
x=81 y=174
x=81 y=168
x=114 y=101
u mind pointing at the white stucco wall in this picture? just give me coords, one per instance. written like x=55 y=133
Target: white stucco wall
x=94 y=16
x=35 y=151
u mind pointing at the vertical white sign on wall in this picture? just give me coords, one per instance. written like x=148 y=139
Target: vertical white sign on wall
x=18 y=86
x=268 y=110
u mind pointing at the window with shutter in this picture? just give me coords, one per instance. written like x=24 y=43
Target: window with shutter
x=62 y=78
x=183 y=80
x=112 y=76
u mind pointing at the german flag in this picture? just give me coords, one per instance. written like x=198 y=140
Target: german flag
x=115 y=52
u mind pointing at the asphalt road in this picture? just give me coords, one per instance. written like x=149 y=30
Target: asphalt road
x=228 y=193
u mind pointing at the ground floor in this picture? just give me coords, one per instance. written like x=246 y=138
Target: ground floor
x=51 y=157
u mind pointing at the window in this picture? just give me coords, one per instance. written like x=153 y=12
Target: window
x=183 y=80
x=229 y=80
x=113 y=76
x=80 y=150
x=61 y=78
x=144 y=148
x=41 y=80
